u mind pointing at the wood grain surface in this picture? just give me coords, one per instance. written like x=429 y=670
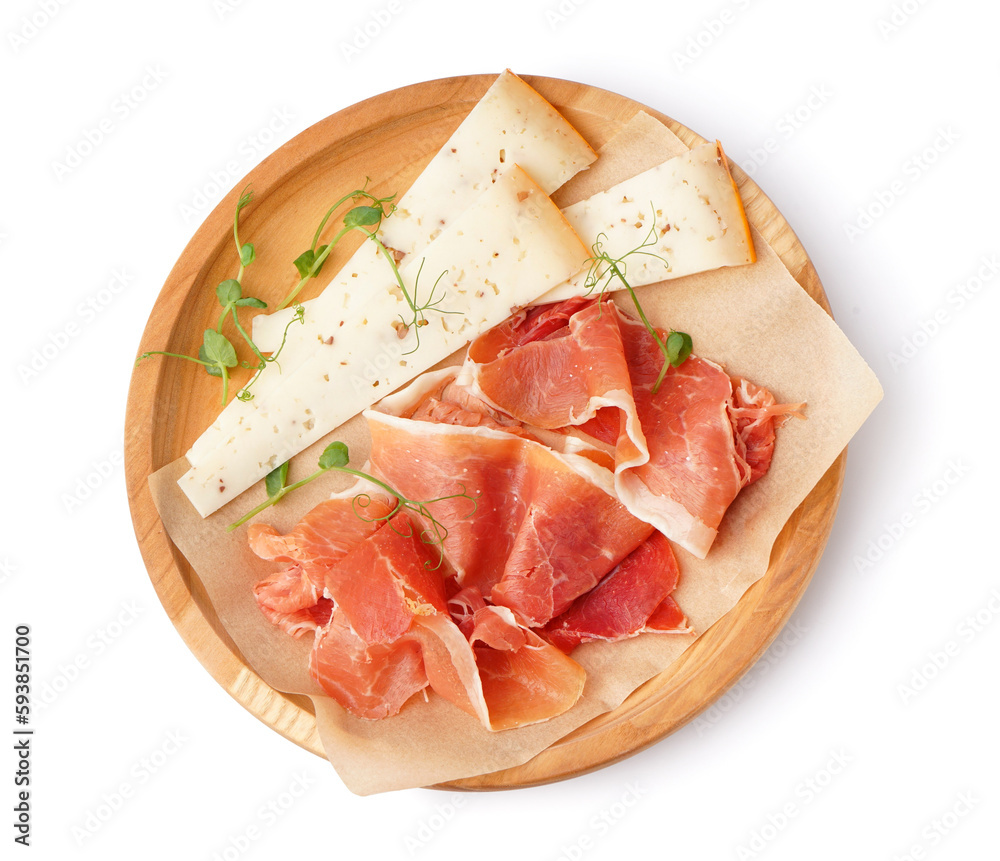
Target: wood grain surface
x=389 y=138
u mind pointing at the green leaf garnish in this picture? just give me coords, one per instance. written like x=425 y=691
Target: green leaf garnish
x=334 y=456
x=275 y=480
x=307 y=259
x=368 y=215
x=229 y=292
x=363 y=216
x=216 y=353
x=679 y=346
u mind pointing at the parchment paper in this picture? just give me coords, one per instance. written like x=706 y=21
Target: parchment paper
x=754 y=320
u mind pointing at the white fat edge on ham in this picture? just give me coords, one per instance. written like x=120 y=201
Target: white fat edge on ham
x=404 y=402
x=510 y=124
x=584 y=467
x=687 y=207
x=620 y=399
x=666 y=515
x=513 y=231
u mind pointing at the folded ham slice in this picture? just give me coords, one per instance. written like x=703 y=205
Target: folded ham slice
x=373 y=591
x=544 y=527
x=633 y=599
x=682 y=454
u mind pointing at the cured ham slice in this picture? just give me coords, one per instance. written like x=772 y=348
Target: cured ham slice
x=382 y=627
x=697 y=443
x=634 y=598
x=324 y=536
x=682 y=454
x=524 y=679
x=558 y=366
x=292 y=598
x=369 y=680
x=753 y=415
x=545 y=529
x=385 y=581
x=502 y=673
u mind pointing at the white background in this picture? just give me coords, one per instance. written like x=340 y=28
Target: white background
x=869 y=729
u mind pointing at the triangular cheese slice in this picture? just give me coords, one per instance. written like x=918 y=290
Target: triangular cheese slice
x=502 y=253
x=680 y=217
x=510 y=124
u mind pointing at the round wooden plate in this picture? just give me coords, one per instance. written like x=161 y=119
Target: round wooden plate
x=390 y=137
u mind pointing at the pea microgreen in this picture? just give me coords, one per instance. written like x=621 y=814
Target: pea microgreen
x=217 y=353
x=335 y=457
x=366 y=218
x=604 y=268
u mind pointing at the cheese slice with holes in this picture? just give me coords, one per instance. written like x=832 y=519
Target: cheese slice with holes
x=511 y=246
x=680 y=217
x=510 y=124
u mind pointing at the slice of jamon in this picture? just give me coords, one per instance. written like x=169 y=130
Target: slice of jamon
x=323 y=536
x=503 y=674
x=453 y=404
x=369 y=680
x=525 y=680
x=292 y=598
x=287 y=590
x=754 y=414
x=386 y=580
x=630 y=600
x=560 y=366
x=696 y=467
x=682 y=454
x=540 y=528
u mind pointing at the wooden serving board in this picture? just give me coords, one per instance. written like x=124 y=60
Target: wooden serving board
x=391 y=137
